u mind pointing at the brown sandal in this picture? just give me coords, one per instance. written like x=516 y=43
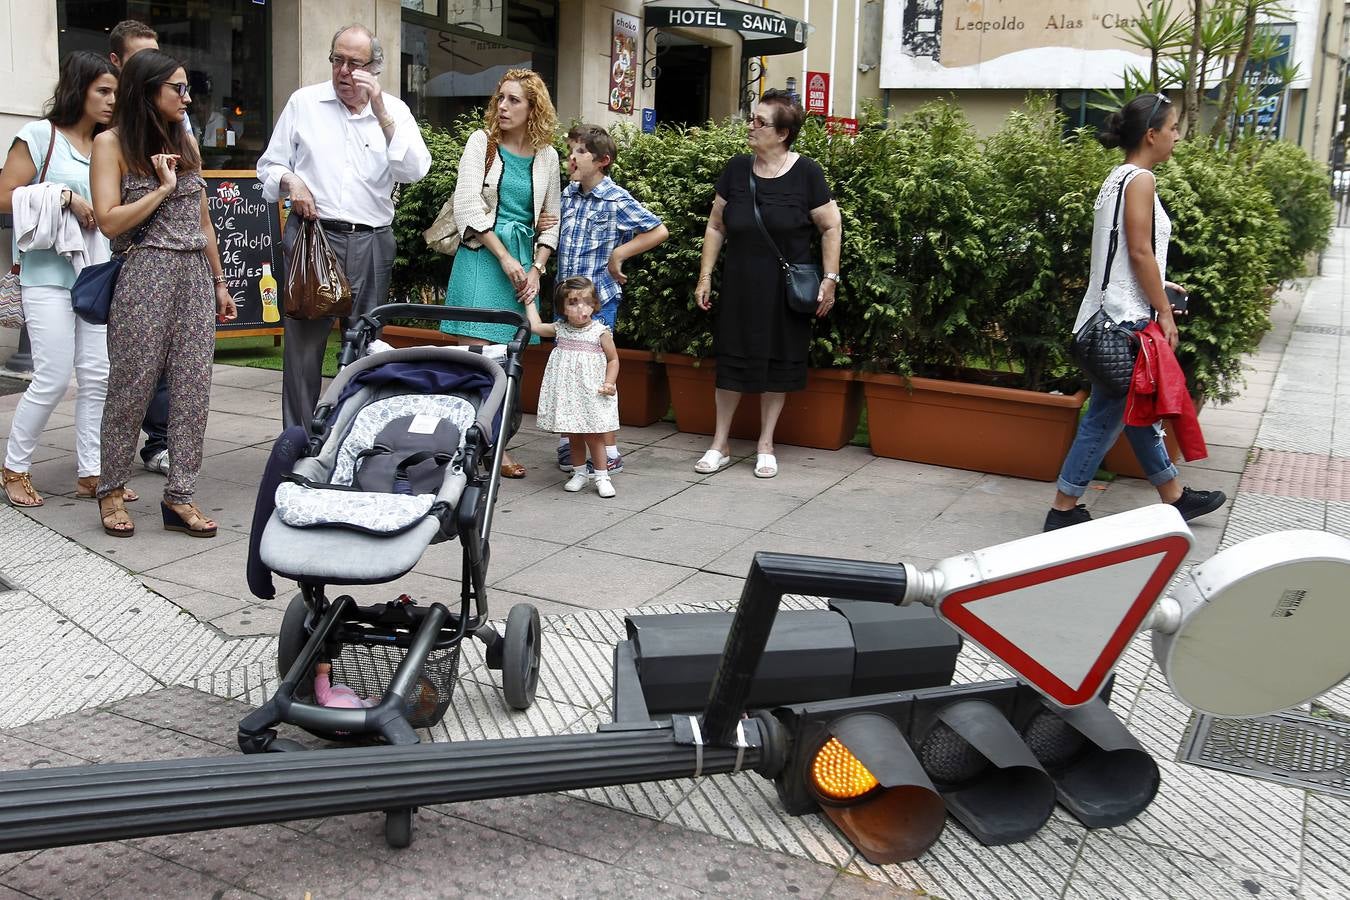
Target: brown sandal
x=190 y=522
x=86 y=488
x=21 y=478
x=116 y=521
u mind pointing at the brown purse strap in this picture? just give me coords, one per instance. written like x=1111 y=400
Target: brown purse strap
x=47 y=160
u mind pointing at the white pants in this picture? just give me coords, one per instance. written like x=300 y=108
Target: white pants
x=62 y=344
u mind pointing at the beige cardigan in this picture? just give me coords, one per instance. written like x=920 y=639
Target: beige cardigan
x=476 y=191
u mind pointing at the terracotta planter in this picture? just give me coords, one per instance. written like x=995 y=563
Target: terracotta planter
x=1120 y=458
x=532 y=363
x=970 y=426
x=823 y=415
x=644 y=395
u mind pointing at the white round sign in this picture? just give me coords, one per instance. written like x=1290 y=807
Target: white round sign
x=1263 y=625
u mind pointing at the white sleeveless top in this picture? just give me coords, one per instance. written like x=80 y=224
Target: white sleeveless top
x=1125 y=300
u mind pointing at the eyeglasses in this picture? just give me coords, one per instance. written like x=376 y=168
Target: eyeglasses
x=761 y=122
x=1159 y=100
x=181 y=87
x=342 y=62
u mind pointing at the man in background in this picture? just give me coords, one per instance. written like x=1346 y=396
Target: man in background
x=128 y=38
x=336 y=152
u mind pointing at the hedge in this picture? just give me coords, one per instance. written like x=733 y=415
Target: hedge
x=961 y=256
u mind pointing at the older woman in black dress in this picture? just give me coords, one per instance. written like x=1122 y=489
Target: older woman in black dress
x=761 y=344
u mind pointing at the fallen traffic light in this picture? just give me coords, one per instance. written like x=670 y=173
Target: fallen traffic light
x=887 y=768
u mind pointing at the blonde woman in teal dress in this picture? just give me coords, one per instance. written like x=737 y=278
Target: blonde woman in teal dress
x=509 y=180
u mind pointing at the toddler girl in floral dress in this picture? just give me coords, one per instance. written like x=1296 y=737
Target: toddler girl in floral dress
x=579 y=396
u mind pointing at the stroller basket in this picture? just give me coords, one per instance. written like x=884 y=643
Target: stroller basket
x=368 y=668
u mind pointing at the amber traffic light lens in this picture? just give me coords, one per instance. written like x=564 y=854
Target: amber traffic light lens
x=838 y=775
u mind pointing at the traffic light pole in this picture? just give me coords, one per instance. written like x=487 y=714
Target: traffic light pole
x=771 y=576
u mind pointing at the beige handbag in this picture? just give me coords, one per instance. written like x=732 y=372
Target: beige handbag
x=444 y=235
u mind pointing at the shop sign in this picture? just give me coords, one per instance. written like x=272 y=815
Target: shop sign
x=764 y=31
x=817 y=93
x=623 y=63
x=841 y=125
x=648 y=120
x=1008 y=44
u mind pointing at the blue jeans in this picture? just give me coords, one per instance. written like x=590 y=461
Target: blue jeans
x=1097 y=431
x=609 y=313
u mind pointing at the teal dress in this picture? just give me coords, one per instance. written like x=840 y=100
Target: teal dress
x=476 y=279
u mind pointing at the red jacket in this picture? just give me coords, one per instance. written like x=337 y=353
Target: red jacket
x=1158 y=391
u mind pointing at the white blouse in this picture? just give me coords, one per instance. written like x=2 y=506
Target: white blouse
x=1124 y=299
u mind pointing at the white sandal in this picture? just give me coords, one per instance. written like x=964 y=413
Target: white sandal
x=766 y=465
x=712 y=461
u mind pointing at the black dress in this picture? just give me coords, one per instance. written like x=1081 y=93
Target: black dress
x=760 y=344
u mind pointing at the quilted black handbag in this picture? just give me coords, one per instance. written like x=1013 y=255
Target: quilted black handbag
x=1106 y=350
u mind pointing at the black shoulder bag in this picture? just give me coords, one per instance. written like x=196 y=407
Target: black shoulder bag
x=801 y=281
x=1106 y=350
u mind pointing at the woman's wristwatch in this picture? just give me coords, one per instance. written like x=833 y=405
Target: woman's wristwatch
x=833 y=276
x=539 y=266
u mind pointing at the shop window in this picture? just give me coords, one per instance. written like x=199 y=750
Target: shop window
x=533 y=22
x=1081 y=108
x=225 y=47
x=447 y=73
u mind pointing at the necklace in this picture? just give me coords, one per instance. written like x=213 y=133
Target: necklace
x=781 y=166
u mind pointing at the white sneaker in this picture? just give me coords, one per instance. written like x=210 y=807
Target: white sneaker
x=603 y=486
x=157 y=463
x=578 y=480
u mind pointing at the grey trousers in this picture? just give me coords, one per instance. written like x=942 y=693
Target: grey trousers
x=367 y=258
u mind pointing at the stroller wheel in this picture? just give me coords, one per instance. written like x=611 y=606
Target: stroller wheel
x=398 y=827
x=521 y=652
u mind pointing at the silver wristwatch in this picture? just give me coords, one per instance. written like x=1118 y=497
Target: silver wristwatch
x=833 y=276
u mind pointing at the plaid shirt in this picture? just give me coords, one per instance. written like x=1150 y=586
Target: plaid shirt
x=593 y=224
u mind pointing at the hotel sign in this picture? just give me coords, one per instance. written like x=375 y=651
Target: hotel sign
x=764 y=31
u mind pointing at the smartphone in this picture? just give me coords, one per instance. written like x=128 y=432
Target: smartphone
x=1176 y=298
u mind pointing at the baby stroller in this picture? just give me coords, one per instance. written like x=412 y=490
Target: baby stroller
x=404 y=450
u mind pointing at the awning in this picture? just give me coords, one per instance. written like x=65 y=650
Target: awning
x=764 y=32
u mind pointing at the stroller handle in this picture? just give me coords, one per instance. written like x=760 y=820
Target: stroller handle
x=364 y=329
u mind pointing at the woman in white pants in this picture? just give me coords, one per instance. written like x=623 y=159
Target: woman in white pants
x=62 y=344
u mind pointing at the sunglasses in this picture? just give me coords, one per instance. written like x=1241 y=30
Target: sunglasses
x=342 y=62
x=1159 y=100
x=181 y=87
x=761 y=122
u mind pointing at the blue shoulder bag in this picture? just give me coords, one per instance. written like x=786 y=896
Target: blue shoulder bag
x=91 y=295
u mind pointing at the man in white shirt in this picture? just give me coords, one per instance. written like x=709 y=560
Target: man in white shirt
x=336 y=152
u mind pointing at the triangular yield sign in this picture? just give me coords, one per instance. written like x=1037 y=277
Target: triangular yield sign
x=1062 y=628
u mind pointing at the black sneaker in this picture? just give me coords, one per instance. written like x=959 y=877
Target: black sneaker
x=565 y=458
x=1063 y=518
x=1194 y=504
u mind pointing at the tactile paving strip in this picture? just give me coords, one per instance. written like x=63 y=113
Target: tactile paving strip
x=1289 y=748
x=1284 y=473
x=1320 y=329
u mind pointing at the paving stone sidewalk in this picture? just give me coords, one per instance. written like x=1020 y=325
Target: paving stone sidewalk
x=153 y=648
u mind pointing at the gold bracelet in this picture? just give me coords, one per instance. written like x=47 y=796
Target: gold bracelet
x=218 y=279
x=386 y=122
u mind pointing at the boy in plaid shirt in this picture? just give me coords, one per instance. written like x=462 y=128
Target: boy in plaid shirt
x=602 y=227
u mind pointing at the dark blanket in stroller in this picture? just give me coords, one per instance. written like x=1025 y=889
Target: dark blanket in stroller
x=389 y=466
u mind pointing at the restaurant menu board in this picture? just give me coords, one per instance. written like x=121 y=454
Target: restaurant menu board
x=248 y=232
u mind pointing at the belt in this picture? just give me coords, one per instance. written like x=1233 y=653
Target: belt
x=348 y=227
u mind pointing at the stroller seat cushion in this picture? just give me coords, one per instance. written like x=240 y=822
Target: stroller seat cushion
x=300 y=506
x=374 y=417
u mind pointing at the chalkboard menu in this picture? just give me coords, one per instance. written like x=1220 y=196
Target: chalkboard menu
x=248 y=232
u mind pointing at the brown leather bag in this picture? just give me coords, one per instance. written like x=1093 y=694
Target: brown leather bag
x=315 y=284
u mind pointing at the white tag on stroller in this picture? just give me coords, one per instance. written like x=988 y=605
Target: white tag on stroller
x=424 y=424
